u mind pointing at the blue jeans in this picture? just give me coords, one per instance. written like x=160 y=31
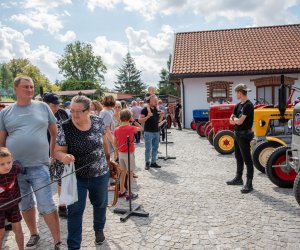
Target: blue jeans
x=97 y=188
x=151 y=146
x=32 y=178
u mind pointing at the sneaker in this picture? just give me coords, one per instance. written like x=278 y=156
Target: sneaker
x=122 y=194
x=33 y=241
x=155 y=165
x=132 y=196
x=100 y=238
x=147 y=167
x=62 y=212
x=59 y=246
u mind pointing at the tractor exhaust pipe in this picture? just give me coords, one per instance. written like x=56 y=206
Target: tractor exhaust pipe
x=282 y=98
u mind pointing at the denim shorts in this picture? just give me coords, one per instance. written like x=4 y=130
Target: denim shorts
x=32 y=178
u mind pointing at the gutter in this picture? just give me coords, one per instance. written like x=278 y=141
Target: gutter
x=183 y=102
x=174 y=76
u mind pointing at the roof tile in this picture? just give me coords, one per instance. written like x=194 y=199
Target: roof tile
x=233 y=50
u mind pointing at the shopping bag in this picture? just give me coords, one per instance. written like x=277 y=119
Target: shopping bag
x=69 y=194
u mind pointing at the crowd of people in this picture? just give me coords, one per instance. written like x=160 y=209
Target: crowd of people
x=39 y=139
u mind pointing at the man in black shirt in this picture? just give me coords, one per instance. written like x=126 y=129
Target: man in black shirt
x=56 y=168
x=151 y=132
x=242 y=118
x=178 y=115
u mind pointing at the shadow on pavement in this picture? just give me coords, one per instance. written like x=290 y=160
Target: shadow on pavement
x=277 y=204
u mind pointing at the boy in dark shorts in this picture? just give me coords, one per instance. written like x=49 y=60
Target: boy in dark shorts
x=9 y=191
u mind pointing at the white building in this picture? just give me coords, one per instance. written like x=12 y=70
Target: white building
x=209 y=64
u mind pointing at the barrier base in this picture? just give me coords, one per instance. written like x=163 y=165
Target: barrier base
x=167 y=158
x=127 y=213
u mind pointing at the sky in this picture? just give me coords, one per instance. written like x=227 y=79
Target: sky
x=40 y=29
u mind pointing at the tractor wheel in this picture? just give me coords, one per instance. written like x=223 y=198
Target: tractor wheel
x=297 y=188
x=224 y=142
x=205 y=126
x=200 y=129
x=261 y=154
x=281 y=176
x=211 y=137
x=193 y=125
x=169 y=121
x=207 y=130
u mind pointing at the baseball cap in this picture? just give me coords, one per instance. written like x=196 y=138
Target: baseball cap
x=67 y=103
x=51 y=98
x=241 y=87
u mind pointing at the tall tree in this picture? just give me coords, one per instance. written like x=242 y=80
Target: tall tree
x=6 y=76
x=129 y=78
x=17 y=65
x=79 y=64
x=164 y=85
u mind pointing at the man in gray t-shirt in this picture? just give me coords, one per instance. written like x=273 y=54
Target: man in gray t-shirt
x=23 y=130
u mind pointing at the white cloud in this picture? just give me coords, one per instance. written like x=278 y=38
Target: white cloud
x=69 y=36
x=106 y=4
x=265 y=12
x=44 y=4
x=40 y=20
x=150 y=52
x=27 y=32
x=13 y=45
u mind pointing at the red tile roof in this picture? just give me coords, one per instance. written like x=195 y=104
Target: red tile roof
x=274 y=49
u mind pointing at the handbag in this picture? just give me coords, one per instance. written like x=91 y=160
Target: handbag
x=69 y=193
x=115 y=172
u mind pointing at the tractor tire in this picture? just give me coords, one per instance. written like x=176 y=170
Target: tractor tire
x=297 y=188
x=211 y=137
x=205 y=126
x=207 y=130
x=200 y=129
x=193 y=125
x=261 y=154
x=224 y=142
x=281 y=176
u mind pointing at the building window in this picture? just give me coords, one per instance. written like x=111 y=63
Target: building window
x=267 y=88
x=219 y=91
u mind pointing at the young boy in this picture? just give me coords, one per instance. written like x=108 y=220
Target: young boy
x=151 y=92
x=9 y=190
x=121 y=133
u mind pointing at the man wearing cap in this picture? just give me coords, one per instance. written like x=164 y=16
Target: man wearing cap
x=56 y=167
x=67 y=107
x=242 y=118
x=23 y=129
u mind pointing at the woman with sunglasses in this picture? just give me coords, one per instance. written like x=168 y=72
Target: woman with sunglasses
x=83 y=140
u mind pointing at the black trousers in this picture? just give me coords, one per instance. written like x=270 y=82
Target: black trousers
x=178 y=122
x=163 y=131
x=242 y=153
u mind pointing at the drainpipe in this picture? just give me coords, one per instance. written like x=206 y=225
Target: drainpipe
x=182 y=102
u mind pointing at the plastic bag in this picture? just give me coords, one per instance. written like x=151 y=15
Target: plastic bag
x=69 y=194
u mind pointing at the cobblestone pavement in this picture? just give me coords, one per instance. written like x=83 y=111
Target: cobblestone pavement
x=191 y=207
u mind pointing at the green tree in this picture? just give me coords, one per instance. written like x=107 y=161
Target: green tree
x=17 y=65
x=80 y=66
x=6 y=76
x=129 y=78
x=164 y=85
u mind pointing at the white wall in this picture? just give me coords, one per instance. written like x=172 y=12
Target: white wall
x=196 y=91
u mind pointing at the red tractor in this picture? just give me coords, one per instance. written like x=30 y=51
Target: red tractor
x=218 y=130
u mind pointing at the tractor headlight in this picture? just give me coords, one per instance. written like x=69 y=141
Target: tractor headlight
x=290 y=123
x=262 y=123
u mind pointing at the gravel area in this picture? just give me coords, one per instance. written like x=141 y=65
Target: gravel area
x=191 y=207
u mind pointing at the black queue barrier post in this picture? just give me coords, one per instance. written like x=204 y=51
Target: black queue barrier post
x=166 y=143
x=167 y=132
x=132 y=211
